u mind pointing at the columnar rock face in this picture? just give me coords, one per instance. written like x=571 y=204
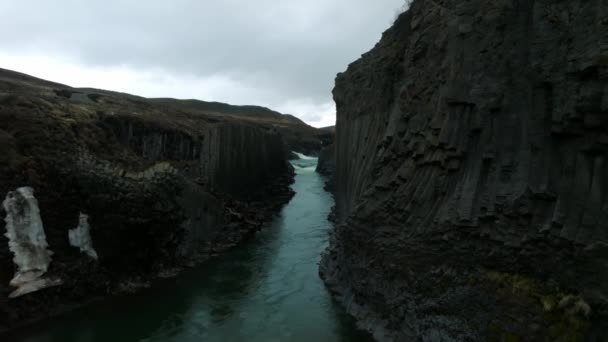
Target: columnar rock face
x=327 y=157
x=230 y=164
x=297 y=135
x=163 y=187
x=225 y=156
x=327 y=160
x=471 y=175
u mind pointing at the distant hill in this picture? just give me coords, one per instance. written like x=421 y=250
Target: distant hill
x=300 y=136
x=225 y=108
x=297 y=134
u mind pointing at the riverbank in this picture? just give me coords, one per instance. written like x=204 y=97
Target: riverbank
x=144 y=188
x=266 y=289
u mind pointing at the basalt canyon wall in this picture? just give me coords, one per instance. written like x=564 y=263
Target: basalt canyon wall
x=471 y=174
x=128 y=189
x=327 y=157
x=298 y=135
x=327 y=160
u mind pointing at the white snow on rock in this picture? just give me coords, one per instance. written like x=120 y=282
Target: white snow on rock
x=27 y=241
x=81 y=236
x=34 y=286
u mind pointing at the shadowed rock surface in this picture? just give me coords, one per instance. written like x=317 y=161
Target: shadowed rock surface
x=471 y=175
x=164 y=187
x=298 y=135
x=327 y=160
x=327 y=156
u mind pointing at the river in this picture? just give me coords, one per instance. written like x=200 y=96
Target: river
x=265 y=290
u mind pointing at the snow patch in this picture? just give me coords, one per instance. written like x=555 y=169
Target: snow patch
x=34 y=286
x=27 y=241
x=81 y=237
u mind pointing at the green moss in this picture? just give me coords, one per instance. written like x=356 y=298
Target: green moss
x=496 y=333
x=549 y=302
x=602 y=60
x=568 y=329
x=515 y=283
x=510 y=337
x=565 y=316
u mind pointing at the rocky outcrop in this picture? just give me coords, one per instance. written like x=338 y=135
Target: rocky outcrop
x=327 y=161
x=471 y=181
x=298 y=136
x=162 y=188
x=327 y=157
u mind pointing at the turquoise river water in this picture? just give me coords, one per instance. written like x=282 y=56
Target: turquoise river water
x=265 y=290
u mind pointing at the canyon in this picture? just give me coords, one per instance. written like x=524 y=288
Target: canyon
x=468 y=172
x=108 y=191
x=470 y=175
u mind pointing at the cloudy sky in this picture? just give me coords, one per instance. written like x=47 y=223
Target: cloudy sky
x=283 y=54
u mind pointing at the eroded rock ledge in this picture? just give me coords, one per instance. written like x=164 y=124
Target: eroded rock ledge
x=162 y=188
x=471 y=179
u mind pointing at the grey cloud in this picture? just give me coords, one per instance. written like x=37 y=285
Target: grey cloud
x=292 y=48
x=311 y=117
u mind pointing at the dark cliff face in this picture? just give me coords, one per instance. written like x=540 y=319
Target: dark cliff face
x=298 y=136
x=163 y=187
x=471 y=179
x=327 y=161
x=226 y=156
x=327 y=157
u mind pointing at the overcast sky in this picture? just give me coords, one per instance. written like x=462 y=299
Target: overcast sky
x=283 y=54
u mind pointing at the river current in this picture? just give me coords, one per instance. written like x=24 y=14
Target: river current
x=265 y=290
